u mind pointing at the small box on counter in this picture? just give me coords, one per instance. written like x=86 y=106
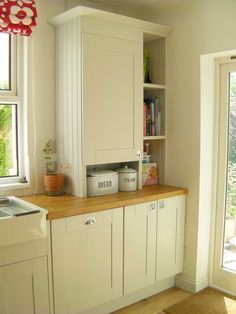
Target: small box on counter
x=149 y=174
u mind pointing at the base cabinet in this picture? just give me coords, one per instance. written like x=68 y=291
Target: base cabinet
x=139 y=246
x=107 y=255
x=170 y=237
x=87 y=260
x=24 y=287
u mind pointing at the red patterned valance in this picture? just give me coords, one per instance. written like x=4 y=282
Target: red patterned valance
x=17 y=16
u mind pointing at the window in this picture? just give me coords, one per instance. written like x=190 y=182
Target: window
x=5 y=62
x=11 y=167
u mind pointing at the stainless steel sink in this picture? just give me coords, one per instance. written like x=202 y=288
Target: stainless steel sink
x=20 y=221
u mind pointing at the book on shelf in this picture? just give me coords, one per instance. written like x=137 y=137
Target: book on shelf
x=151 y=117
x=144 y=120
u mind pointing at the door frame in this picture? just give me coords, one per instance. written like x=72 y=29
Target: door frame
x=215 y=187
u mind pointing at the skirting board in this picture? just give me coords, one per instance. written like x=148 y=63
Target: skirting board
x=191 y=285
x=132 y=297
x=223 y=290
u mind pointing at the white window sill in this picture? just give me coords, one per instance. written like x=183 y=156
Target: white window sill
x=14 y=186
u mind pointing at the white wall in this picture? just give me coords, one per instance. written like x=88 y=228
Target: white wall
x=41 y=92
x=200 y=27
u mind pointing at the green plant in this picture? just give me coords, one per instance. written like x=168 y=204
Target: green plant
x=5 y=139
x=50 y=156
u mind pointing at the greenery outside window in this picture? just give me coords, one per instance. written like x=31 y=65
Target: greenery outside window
x=11 y=111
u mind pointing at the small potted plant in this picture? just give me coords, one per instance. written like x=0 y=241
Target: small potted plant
x=53 y=179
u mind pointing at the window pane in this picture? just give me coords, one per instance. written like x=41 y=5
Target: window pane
x=8 y=141
x=5 y=65
x=229 y=252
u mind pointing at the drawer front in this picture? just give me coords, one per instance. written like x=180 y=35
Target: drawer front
x=88 y=221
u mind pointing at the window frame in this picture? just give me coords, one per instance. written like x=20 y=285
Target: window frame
x=15 y=96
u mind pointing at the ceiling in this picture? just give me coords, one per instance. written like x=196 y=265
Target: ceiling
x=129 y=4
x=132 y=4
x=133 y=8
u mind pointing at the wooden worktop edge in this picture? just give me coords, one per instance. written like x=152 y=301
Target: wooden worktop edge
x=67 y=205
x=104 y=206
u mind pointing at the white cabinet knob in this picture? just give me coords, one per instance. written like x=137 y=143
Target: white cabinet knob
x=138 y=154
x=152 y=207
x=162 y=204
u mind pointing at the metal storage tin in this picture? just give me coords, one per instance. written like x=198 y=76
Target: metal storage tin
x=102 y=182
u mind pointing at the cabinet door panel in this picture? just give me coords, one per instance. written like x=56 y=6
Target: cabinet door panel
x=139 y=246
x=166 y=239
x=112 y=111
x=24 y=288
x=87 y=260
x=170 y=236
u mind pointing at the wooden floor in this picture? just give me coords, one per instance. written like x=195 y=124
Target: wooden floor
x=157 y=303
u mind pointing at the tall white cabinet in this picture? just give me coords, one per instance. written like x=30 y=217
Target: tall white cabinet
x=100 y=90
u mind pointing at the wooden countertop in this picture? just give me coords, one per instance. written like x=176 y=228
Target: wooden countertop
x=68 y=205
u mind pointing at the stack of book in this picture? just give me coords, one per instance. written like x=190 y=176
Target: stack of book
x=151 y=117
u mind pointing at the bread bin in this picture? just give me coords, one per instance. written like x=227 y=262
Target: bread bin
x=127 y=179
x=101 y=182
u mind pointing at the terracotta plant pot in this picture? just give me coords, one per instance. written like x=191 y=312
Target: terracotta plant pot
x=54 y=184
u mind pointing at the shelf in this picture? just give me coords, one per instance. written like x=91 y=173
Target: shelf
x=153 y=86
x=152 y=138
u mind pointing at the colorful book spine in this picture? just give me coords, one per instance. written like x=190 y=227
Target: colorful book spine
x=152 y=105
x=151 y=117
x=156 y=116
x=144 y=119
x=148 y=120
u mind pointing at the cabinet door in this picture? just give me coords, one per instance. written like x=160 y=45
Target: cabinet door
x=112 y=100
x=24 y=287
x=139 y=246
x=87 y=260
x=170 y=236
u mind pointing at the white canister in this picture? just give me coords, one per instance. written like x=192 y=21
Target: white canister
x=127 y=179
x=101 y=182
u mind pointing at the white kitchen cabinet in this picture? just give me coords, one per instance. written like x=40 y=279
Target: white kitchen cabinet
x=24 y=287
x=170 y=237
x=112 y=107
x=87 y=260
x=139 y=246
x=99 y=70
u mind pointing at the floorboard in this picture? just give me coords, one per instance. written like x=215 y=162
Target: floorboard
x=157 y=303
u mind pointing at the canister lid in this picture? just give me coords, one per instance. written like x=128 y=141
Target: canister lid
x=100 y=172
x=126 y=169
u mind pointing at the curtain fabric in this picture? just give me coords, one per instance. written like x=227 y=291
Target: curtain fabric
x=17 y=16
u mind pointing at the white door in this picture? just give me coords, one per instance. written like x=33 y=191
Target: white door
x=170 y=237
x=224 y=268
x=112 y=100
x=139 y=246
x=87 y=260
x=24 y=288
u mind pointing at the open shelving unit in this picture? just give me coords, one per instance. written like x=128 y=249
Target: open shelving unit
x=156 y=47
x=154 y=138
x=151 y=86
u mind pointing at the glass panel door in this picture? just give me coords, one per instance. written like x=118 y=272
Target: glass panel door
x=229 y=250
x=224 y=264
